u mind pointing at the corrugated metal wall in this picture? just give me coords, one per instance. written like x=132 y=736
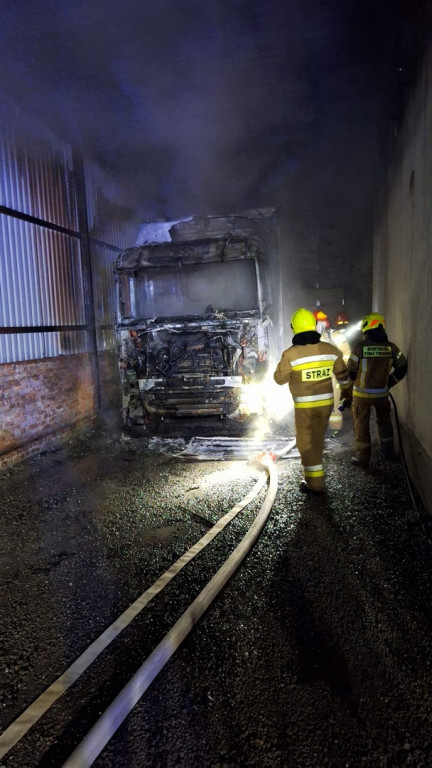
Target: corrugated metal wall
x=42 y=291
x=36 y=176
x=40 y=286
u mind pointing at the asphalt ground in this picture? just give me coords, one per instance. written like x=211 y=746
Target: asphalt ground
x=316 y=653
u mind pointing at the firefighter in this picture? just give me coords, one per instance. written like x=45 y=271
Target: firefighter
x=341 y=319
x=375 y=365
x=338 y=337
x=307 y=367
x=322 y=324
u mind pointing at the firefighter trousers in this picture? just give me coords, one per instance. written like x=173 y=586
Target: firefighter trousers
x=311 y=425
x=361 y=415
x=336 y=420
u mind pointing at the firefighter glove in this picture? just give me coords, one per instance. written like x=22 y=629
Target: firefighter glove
x=345 y=403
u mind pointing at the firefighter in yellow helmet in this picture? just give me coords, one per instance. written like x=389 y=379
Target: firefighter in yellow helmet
x=375 y=365
x=307 y=367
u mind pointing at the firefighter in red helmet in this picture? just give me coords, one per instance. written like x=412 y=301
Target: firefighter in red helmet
x=341 y=319
x=307 y=367
x=322 y=323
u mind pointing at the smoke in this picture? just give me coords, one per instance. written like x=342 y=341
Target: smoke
x=202 y=106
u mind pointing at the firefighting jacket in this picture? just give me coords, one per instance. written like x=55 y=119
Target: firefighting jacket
x=375 y=365
x=339 y=338
x=308 y=367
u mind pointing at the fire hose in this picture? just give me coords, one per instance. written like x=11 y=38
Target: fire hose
x=103 y=730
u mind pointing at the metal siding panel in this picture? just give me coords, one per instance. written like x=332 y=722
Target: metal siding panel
x=41 y=284
x=58 y=295
x=37 y=300
x=16 y=347
x=35 y=177
x=16 y=311
x=40 y=269
x=5 y=290
x=56 y=272
x=29 y=278
x=13 y=301
x=78 y=294
x=59 y=278
x=45 y=286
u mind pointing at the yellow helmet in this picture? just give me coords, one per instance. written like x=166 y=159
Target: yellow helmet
x=303 y=320
x=372 y=321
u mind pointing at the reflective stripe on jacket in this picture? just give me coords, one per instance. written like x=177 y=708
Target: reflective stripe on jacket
x=307 y=368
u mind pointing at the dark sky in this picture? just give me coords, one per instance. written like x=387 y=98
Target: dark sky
x=213 y=106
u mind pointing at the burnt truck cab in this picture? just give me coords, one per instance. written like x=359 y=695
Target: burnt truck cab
x=194 y=331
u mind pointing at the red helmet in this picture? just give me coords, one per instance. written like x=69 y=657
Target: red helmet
x=342 y=318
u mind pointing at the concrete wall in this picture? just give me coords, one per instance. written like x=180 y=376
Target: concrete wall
x=403 y=273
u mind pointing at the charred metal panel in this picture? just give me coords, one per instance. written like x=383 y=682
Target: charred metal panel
x=198 y=252
x=257 y=223
x=191 y=366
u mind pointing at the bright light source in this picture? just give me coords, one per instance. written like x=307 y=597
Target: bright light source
x=266 y=399
x=261 y=428
x=353 y=328
x=278 y=403
x=252 y=398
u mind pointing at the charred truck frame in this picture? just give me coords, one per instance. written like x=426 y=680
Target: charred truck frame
x=195 y=324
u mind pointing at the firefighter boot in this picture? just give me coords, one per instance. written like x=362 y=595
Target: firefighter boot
x=305 y=488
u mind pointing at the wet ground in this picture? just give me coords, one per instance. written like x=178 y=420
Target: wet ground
x=316 y=653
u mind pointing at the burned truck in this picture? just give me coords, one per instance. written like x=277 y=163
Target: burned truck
x=195 y=325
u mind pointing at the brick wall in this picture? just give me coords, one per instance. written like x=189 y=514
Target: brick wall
x=43 y=402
